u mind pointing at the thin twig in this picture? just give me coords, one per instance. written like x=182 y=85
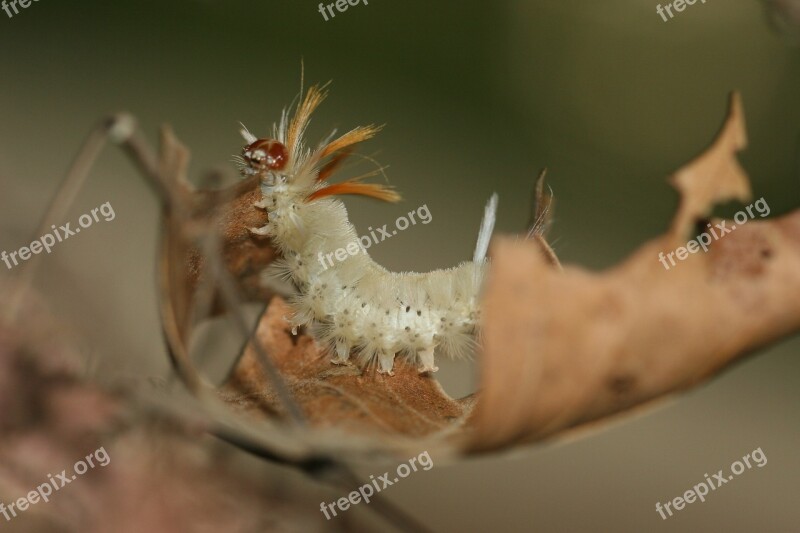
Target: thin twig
x=233 y=301
x=541 y=217
x=332 y=472
x=120 y=129
x=59 y=204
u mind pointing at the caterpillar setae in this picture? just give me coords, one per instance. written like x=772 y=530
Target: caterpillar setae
x=355 y=305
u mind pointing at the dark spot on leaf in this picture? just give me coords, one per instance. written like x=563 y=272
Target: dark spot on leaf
x=622 y=384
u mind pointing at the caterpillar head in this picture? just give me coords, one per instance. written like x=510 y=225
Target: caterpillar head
x=261 y=157
x=284 y=158
x=264 y=155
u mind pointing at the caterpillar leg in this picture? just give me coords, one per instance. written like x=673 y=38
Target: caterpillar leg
x=426 y=361
x=385 y=363
x=262 y=232
x=342 y=353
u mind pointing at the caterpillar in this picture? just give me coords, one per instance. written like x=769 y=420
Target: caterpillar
x=356 y=305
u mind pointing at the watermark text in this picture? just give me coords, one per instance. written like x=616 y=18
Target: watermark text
x=702 y=489
x=53 y=484
x=361 y=244
x=368 y=490
x=47 y=241
x=704 y=239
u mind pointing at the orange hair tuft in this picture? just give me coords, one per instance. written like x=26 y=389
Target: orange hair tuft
x=373 y=190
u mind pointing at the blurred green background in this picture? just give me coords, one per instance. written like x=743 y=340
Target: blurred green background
x=476 y=98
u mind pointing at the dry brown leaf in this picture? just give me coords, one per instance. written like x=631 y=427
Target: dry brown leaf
x=343 y=397
x=189 y=217
x=565 y=348
x=713 y=177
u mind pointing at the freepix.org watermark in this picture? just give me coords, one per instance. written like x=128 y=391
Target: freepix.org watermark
x=8 y=5
x=47 y=241
x=702 y=489
x=341 y=7
x=678 y=5
x=704 y=239
x=54 y=483
x=368 y=490
x=361 y=244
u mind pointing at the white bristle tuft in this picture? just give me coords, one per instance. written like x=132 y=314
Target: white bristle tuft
x=249 y=137
x=485 y=233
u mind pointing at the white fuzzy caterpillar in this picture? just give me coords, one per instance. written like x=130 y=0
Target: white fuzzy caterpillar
x=355 y=304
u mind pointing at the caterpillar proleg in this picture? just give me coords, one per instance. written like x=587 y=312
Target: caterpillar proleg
x=355 y=305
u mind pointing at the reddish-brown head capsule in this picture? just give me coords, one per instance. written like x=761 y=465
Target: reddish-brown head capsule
x=266 y=154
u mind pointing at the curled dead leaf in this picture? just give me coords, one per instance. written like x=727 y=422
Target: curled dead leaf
x=565 y=348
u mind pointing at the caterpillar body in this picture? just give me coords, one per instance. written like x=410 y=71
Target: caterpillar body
x=355 y=305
